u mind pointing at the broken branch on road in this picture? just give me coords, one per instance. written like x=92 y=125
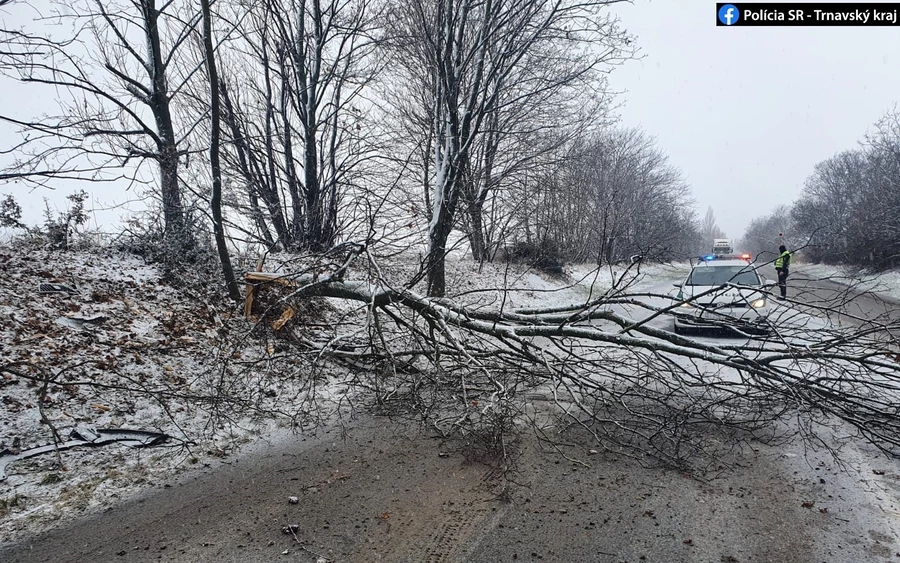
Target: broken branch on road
x=629 y=384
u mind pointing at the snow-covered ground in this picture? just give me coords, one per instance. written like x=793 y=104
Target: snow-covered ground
x=125 y=349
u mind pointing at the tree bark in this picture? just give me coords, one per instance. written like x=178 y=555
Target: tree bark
x=214 y=163
x=173 y=209
x=446 y=199
x=477 y=241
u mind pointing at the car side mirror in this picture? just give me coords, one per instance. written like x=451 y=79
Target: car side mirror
x=770 y=283
x=677 y=284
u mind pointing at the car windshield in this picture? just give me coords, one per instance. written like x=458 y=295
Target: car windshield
x=718 y=275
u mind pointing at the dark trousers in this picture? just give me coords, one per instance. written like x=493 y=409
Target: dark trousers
x=782 y=280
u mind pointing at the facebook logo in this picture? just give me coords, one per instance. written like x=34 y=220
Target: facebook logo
x=729 y=14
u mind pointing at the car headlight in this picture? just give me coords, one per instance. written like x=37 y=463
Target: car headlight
x=759 y=303
x=679 y=297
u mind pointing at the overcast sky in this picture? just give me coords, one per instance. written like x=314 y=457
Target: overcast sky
x=110 y=203
x=743 y=112
x=746 y=112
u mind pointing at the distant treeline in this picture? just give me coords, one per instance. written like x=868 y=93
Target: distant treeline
x=849 y=210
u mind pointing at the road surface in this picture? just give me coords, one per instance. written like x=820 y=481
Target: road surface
x=387 y=495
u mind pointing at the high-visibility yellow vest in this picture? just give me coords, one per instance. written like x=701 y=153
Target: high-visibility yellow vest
x=783 y=260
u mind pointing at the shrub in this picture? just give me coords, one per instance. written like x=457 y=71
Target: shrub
x=184 y=257
x=543 y=255
x=10 y=213
x=59 y=229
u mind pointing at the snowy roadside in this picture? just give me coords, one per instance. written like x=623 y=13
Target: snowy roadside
x=635 y=279
x=886 y=284
x=99 y=340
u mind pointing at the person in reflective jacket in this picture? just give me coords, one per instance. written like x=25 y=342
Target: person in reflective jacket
x=782 y=265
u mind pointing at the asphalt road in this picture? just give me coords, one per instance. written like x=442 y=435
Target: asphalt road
x=383 y=494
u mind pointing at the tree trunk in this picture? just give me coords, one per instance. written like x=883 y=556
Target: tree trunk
x=479 y=192
x=437 y=284
x=173 y=210
x=214 y=164
x=297 y=229
x=273 y=201
x=307 y=62
x=439 y=231
x=260 y=219
x=314 y=211
x=475 y=210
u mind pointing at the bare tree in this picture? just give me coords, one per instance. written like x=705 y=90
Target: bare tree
x=555 y=96
x=117 y=60
x=614 y=195
x=214 y=162
x=291 y=98
x=850 y=203
x=824 y=210
x=880 y=205
x=709 y=229
x=472 y=59
x=765 y=234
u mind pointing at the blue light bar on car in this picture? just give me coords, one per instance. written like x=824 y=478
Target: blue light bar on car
x=710 y=257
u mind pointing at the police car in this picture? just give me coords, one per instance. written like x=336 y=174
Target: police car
x=723 y=292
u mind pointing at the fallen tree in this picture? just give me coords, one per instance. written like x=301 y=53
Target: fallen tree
x=625 y=383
